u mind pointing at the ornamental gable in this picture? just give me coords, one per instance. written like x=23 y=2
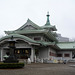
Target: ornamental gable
x=30 y=27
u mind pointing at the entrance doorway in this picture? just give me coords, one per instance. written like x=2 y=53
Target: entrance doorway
x=22 y=53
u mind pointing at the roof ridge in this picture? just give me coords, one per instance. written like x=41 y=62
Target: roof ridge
x=30 y=23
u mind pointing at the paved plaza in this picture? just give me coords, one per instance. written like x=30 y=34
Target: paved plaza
x=41 y=69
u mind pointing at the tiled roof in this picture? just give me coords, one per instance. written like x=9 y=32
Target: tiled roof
x=66 y=45
x=25 y=31
x=27 y=39
x=29 y=22
x=46 y=43
x=18 y=36
x=46 y=32
x=50 y=27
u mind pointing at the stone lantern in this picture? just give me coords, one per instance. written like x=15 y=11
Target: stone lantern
x=11 y=58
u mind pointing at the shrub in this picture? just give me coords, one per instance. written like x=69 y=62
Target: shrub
x=11 y=65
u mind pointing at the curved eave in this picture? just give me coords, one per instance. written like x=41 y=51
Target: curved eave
x=50 y=35
x=54 y=27
x=25 y=32
x=30 y=41
x=54 y=33
x=18 y=36
x=45 y=32
x=47 y=43
x=50 y=27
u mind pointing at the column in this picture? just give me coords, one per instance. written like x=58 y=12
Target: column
x=1 y=55
x=49 y=53
x=32 y=54
x=71 y=55
x=63 y=55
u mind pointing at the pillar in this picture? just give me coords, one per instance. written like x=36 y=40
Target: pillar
x=1 y=55
x=32 y=54
x=71 y=55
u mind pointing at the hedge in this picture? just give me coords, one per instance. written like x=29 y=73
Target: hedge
x=11 y=65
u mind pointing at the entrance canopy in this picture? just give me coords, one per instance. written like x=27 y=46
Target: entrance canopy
x=26 y=39
x=17 y=36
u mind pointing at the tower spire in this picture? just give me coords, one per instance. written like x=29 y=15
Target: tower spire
x=48 y=22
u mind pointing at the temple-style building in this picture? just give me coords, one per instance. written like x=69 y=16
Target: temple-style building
x=37 y=41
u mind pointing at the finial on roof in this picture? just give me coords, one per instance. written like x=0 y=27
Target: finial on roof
x=48 y=22
x=28 y=19
x=48 y=13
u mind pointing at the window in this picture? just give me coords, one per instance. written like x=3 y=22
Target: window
x=59 y=55
x=52 y=54
x=37 y=38
x=66 y=55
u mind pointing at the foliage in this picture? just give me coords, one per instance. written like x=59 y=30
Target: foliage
x=11 y=65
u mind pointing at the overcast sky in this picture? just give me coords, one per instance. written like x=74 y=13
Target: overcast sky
x=14 y=13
